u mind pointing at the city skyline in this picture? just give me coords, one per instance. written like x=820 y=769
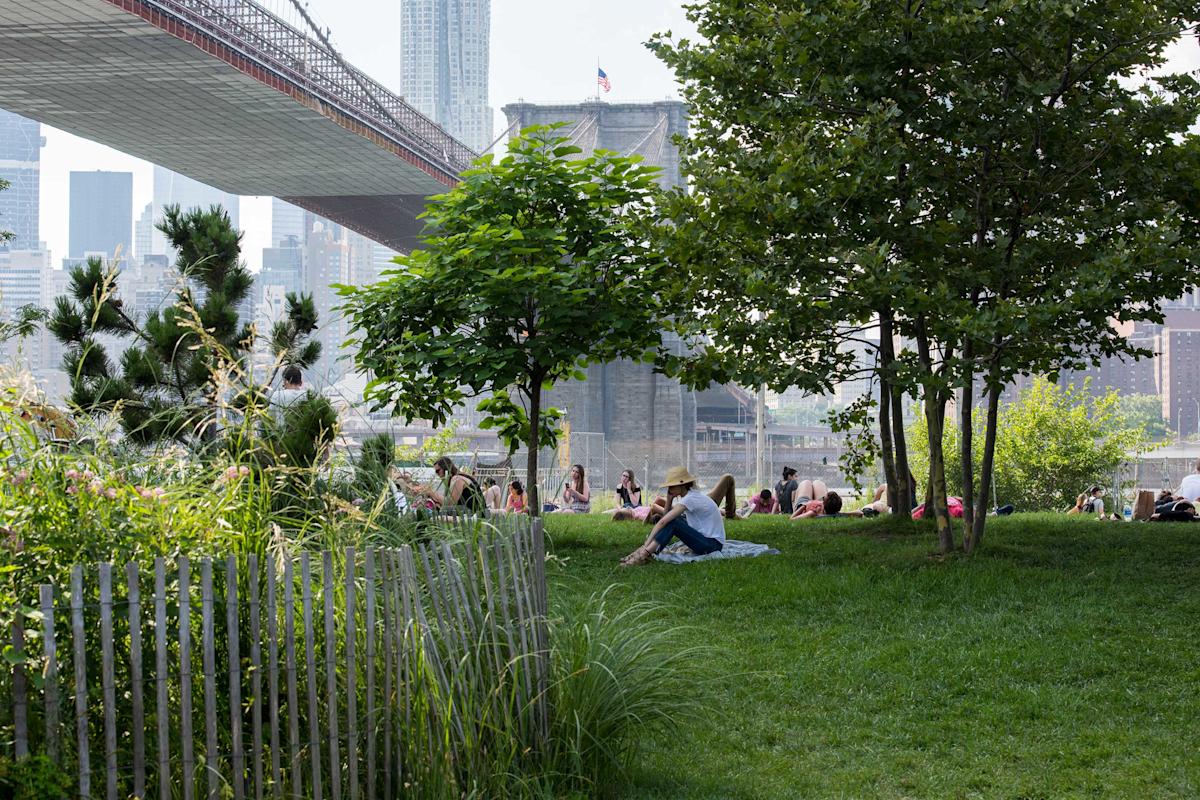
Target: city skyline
x=616 y=32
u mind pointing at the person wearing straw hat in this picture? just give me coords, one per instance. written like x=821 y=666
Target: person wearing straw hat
x=691 y=516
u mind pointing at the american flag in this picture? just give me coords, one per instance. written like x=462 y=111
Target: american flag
x=602 y=80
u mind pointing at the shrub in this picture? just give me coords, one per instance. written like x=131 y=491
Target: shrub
x=1052 y=443
x=33 y=778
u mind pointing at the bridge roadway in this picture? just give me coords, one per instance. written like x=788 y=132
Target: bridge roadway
x=227 y=93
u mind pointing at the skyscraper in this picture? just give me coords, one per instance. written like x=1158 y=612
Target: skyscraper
x=171 y=188
x=20 y=164
x=101 y=213
x=444 y=59
x=288 y=221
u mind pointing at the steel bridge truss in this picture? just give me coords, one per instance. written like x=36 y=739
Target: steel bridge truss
x=313 y=67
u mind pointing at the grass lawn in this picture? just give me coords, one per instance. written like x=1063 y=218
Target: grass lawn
x=1062 y=661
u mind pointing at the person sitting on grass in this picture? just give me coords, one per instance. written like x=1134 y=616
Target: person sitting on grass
x=1090 y=502
x=576 y=493
x=516 y=498
x=629 y=494
x=1189 y=487
x=785 y=491
x=691 y=516
x=491 y=495
x=461 y=494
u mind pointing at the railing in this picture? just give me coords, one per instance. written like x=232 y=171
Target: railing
x=260 y=35
x=272 y=677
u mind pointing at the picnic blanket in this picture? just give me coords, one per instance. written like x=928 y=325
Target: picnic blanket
x=680 y=554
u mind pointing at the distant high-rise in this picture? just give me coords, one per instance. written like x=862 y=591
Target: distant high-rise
x=288 y=221
x=101 y=213
x=20 y=164
x=171 y=188
x=444 y=59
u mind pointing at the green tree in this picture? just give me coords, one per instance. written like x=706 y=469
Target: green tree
x=1144 y=411
x=532 y=267
x=981 y=181
x=173 y=376
x=1056 y=442
x=5 y=236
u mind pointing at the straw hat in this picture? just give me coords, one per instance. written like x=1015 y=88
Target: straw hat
x=677 y=476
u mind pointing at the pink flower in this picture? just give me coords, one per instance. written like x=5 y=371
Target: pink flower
x=243 y=471
x=72 y=474
x=19 y=477
x=95 y=487
x=110 y=493
x=72 y=489
x=88 y=475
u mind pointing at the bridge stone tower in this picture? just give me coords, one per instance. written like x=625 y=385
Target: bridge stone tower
x=648 y=420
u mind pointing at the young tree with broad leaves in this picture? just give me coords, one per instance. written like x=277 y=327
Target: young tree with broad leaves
x=988 y=184
x=533 y=267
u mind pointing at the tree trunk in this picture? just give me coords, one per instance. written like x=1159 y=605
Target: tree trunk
x=975 y=537
x=935 y=422
x=885 y=440
x=908 y=487
x=531 y=465
x=966 y=444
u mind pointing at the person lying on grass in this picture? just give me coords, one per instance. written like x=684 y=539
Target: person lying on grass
x=691 y=516
x=761 y=503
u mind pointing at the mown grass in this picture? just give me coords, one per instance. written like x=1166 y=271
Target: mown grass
x=1061 y=661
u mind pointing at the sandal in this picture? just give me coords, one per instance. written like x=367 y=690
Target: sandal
x=638 y=557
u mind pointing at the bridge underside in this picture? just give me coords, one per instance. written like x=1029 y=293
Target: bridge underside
x=110 y=75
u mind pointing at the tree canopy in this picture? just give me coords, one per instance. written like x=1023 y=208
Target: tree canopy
x=535 y=265
x=973 y=188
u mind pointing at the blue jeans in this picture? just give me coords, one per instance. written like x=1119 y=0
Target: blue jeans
x=678 y=528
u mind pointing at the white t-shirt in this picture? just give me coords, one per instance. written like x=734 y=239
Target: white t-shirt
x=283 y=398
x=1189 y=488
x=702 y=514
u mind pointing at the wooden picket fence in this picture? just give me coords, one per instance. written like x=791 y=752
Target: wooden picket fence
x=200 y=677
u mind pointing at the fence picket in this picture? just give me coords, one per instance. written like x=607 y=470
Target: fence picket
x=209 y=655
x=185 y=680
x=81 y=721
x=295 y=774
x=20 y=696
x=256 y=729
x=162 y=712
x=137 y=700
x=310 y=670
x=385 y=574
x=108 y=683
x=331 y=700
x=351 y=676
x=423 y=627
x=237 y=767
x=49 y=651
x=273 y=680
x=369 y=588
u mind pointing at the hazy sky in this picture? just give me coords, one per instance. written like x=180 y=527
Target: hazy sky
x=542 y=50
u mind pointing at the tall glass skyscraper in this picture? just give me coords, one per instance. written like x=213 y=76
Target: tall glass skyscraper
x=20 y=165
x=101 y=213
x=444 y=46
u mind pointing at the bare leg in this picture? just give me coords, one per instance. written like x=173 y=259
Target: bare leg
x=819 y=490
x=803 y=489
x=725 y=491
x=880 y=492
